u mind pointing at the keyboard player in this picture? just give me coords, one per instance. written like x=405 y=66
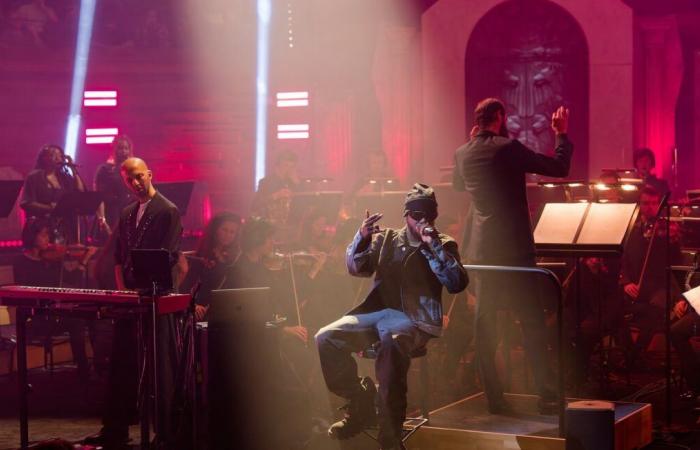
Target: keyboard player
x=151 y=222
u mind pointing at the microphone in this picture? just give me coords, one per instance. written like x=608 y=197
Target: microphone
x=428 y=230
x=69 y=164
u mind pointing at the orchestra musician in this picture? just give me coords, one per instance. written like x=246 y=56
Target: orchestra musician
x=45 y=265
x=492 y=168
x=217 y=251
x=273 y=197
x=151 y=222
x=643 y=272
x=53 y=176
x=108 y=181
x=258 y=266
x=403 y=311
x=595 y=305
x=644 y=163
x=683 y=330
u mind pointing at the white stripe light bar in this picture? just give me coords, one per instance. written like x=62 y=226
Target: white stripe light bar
x=100 y=98
x=292 y=99
x=293 y=131
x=100 y=135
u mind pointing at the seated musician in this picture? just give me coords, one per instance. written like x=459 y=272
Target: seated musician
x=644 y=163
x=685 y=327
x=597 y=307
x=43 y=264
x=643 y=272
x=378 y=176
x=254 y=268
x=402 y=311
x=218 y=249
x=273 y=197
x=259 y=267
x=54 y=174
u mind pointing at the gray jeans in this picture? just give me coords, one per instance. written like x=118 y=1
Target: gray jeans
x=398 y=337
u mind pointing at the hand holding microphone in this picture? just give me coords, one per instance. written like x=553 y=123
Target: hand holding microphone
x=428 y=233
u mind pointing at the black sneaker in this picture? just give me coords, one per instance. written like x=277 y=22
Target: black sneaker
x=359 y=413
x=107 y=441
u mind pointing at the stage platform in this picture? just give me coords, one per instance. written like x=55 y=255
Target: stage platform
x=466 y=425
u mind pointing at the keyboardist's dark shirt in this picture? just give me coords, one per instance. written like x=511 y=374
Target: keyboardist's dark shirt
x=31 y=272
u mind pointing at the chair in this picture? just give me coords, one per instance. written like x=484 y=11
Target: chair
x=410 y=424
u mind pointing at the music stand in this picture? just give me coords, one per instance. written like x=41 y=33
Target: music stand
x=76 y=204
x=179 y=192
x=584 y=229
x=327 y=203
x=9 y=190
x=152 y=271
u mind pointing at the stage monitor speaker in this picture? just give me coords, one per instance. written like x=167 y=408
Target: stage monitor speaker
x=590 y=425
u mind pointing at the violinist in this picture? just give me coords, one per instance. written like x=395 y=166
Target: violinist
x=42 y=264
x=644 y=163
x=54 y=175
x=254 y=269
x=643 y=271
x=218 y=250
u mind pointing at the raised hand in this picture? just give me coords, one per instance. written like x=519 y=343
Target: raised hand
x=369 y=225
x=560 y=120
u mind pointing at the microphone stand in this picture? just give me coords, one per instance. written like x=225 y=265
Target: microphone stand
x=665 y=205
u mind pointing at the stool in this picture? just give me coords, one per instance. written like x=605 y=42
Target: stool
x=410 y=424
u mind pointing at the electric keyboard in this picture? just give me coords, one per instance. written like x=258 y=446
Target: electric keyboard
x=30 y=297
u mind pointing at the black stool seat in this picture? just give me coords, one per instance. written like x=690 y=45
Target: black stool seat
x=372 y=351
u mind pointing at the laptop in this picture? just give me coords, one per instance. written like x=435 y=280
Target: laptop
x=246 y=306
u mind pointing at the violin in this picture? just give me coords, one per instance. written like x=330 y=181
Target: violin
x=658 y=229
x=58 y=252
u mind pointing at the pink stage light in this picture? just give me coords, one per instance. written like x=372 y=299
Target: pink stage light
x=293 y=127
x=10 y=244
x=100 y=102
x=100 y=135
x=100 y=94
x=101 y=131
x=99 y=139
x=100 y=98
x=292 y=99
x=293 y=131
x=293 y=135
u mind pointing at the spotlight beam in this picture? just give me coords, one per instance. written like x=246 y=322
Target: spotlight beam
x=82 y=52
x=264 y=11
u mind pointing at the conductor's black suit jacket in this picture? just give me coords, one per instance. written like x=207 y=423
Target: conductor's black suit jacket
x=493 y=170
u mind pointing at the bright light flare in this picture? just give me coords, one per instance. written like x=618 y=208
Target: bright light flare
x=82 y=52
x=264 y=11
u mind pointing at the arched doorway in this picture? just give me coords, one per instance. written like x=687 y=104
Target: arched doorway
x=533 y=55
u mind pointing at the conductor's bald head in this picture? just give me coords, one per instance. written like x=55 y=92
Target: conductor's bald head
x=138 y=178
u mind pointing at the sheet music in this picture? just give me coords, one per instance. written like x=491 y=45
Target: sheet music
x=559 y=222
x=606 y=223
x=693 y=297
